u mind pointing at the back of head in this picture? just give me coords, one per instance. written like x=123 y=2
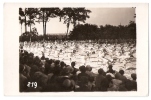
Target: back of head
x=72 y=64
x=121 y=72
x=57 y=62
x=67 y=70
x=82 y=69
x=34 y=68
x=101 y=71
x=134 y=76
x=62 y=64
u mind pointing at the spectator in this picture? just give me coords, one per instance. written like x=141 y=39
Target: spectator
x=122 y=77
x=91 y=82
x=99 y=78
x=110 y=69
x=116 y=83
x=131 y=85
x=83 y=73
x=83 y=85
x=22 y=78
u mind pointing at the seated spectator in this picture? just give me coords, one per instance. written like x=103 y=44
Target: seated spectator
x=91 y=82
x=89 y=71
x=83 y=73
x=105 y=84
x=66 y=83
x=62 y=65
x=46 y=68
x=99 y=78
x=53 y=84
x=122 y=77
x=110 y=69
x=131 y=85
x=117 y=84
x=22 y=78
x=134 y=82
x=74 y=69
x=41 y=80
x=83 y=85
x=27 y=71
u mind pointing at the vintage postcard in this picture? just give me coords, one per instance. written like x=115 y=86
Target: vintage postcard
x=75 y=49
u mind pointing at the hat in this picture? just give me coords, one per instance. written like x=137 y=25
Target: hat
x=82 y=68
x=100 y=71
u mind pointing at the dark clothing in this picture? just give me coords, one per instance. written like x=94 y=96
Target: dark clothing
x=111 y=71
x=22 y=82
x=104 y=84
x=131 y=85
x=83 y=88
x=99 y=81
x=80 y=75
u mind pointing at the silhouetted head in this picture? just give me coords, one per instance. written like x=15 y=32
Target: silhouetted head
x=133 y=76
x=72 y=64
x=121 y=72
x=82 y=69
x=101 y=71
x=62 y=64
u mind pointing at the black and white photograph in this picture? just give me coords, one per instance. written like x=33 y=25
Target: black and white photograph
x=78 y=49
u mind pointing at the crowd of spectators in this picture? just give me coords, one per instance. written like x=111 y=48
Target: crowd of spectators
x=56 y=76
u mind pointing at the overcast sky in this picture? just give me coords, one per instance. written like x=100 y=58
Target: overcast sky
x=98 y=16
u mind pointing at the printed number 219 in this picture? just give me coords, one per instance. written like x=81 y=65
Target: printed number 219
x=32 y=84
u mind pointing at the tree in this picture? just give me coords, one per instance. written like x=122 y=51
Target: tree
x=45 y=14
x=92 y=32
x=84 y=32
x=132 y=29
x=30 y=23
x=23 y=13
x=72 y=15
x=21 y=21
x=31 y=13
x=80 y=15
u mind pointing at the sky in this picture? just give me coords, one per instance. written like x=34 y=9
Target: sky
x=98 y=16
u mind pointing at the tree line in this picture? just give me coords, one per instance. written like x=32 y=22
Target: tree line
x=68 y=15
x=74 y=16
x=92 y=32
